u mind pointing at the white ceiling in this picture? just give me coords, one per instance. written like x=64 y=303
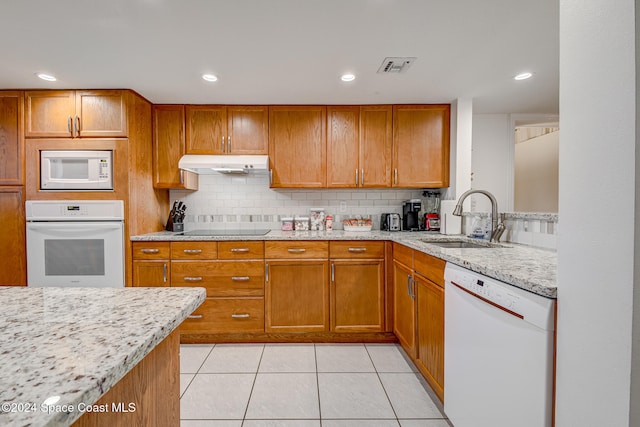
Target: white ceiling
x=289 y=51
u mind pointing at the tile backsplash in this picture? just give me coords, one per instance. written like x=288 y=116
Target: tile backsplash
x=246 y=201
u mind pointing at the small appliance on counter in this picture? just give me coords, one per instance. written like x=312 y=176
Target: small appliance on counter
x=390 y=222
x=432 y=210
x=175 y=222
x=411 y=215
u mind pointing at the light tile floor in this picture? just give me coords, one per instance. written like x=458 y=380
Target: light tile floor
x=303 y=385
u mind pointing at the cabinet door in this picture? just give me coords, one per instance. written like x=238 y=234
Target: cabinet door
x=11 y=138
x=101 y=113
x=421 y=146
x=168 y=147
x=404 y=307
x=151 y=273
x=248 y=130
x=343 y=170
x=430 y=348
x=297 y=146
x=206 y=129
x=297 y=296
x=375 y=145
x=13 y=262
x=49 y=113
x=357 y=296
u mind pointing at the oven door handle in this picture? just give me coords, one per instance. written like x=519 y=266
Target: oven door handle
x=72 y=229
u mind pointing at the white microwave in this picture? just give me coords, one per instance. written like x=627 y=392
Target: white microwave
x=76 y=170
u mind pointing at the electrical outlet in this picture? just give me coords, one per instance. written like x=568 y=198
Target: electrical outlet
x=343 y=207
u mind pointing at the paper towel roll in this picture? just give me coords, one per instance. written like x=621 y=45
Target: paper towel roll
x=449 y=223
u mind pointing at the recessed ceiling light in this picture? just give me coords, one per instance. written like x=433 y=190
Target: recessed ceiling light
x=47 y=77
x=523 y=76
x=209 y=77
x=348 y=77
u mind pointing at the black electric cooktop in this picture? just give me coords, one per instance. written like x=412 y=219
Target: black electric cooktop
x=225 y=233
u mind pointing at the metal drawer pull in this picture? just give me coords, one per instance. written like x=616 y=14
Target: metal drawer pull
x=149 y=251
x=193 y=279
x=195 y=316
x=240 y=316
x=164 y=272
x=357 y=249
x=240 y=278
x=242 y=250
x=192 y=251
x=297 y=250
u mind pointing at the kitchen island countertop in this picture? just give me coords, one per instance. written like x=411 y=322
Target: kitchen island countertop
x=77 y=343
x=529 y=268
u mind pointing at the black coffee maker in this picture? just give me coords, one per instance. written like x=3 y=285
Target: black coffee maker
x=411 y=215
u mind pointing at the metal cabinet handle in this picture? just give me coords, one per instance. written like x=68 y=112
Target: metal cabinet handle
x=164 y=273
x=240 y=250
x=149 y=251
x=266 y=272
x=356 y=177
x=223 y=144
x=296 y=250
x=228 y=144
x=195 y=316
x=333 y=272
x=69 y=126
x=77 y=125
x=240 y=315
x=395 y=176
x=240 y=278
x=193 y=279
x=192 y=251
x=357 y=249
x=409 y=285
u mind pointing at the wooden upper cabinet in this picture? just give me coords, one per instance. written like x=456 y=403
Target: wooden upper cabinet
x=376 y=140
x=421 y=146
x=72 y=114
x=219 y=129
x=248 y=129
x=11 y=138
x=297 y=146
x=169 y=147
x=206 y=129
x=343 y=167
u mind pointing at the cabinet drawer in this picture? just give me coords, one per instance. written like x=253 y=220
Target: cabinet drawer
x=218 y=315
x=220 y=278
x=403 y=254
x=297 y=249
x=430 y=267
x=194 y=250
x=151 y=250
x=241 y=250
x=356 y=249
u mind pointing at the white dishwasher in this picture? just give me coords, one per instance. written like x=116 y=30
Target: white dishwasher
x=499 y=346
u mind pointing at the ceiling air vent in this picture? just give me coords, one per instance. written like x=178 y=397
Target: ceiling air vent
x=396 y=64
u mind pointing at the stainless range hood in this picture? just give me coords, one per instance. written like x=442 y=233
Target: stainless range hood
x=208 y=164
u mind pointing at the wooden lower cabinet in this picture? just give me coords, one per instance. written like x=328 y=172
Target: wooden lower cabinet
x=297 y=296
x=430 y=333
x=226 y=315
x=151 y=273
x=13 y=261
x=404 y=307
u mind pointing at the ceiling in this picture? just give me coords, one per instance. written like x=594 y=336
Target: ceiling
x=289 y=51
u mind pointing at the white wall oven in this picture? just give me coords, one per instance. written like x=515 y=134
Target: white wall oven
x=75 y=243
x=76 y=170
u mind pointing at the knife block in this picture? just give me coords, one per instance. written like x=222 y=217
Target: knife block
x=176 y=227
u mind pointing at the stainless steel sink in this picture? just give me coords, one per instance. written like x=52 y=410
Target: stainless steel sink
x=461 y=244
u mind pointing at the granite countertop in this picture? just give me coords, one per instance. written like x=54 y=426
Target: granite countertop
x=529 y=268
x=77 y=343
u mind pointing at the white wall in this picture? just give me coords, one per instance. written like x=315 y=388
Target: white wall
x=536 y=174
x=492 y=161
x=596 y=264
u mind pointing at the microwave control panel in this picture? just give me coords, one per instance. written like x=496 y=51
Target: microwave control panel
x=104 y=170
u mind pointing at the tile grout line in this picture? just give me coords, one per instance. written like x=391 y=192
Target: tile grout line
x=315 y=359
x=197 y=371
x=382 y=384
x=255 y=378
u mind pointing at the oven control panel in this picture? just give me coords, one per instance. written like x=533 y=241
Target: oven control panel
x=75 y=210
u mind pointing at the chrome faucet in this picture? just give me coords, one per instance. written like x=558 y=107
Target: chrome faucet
x=496 y=229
